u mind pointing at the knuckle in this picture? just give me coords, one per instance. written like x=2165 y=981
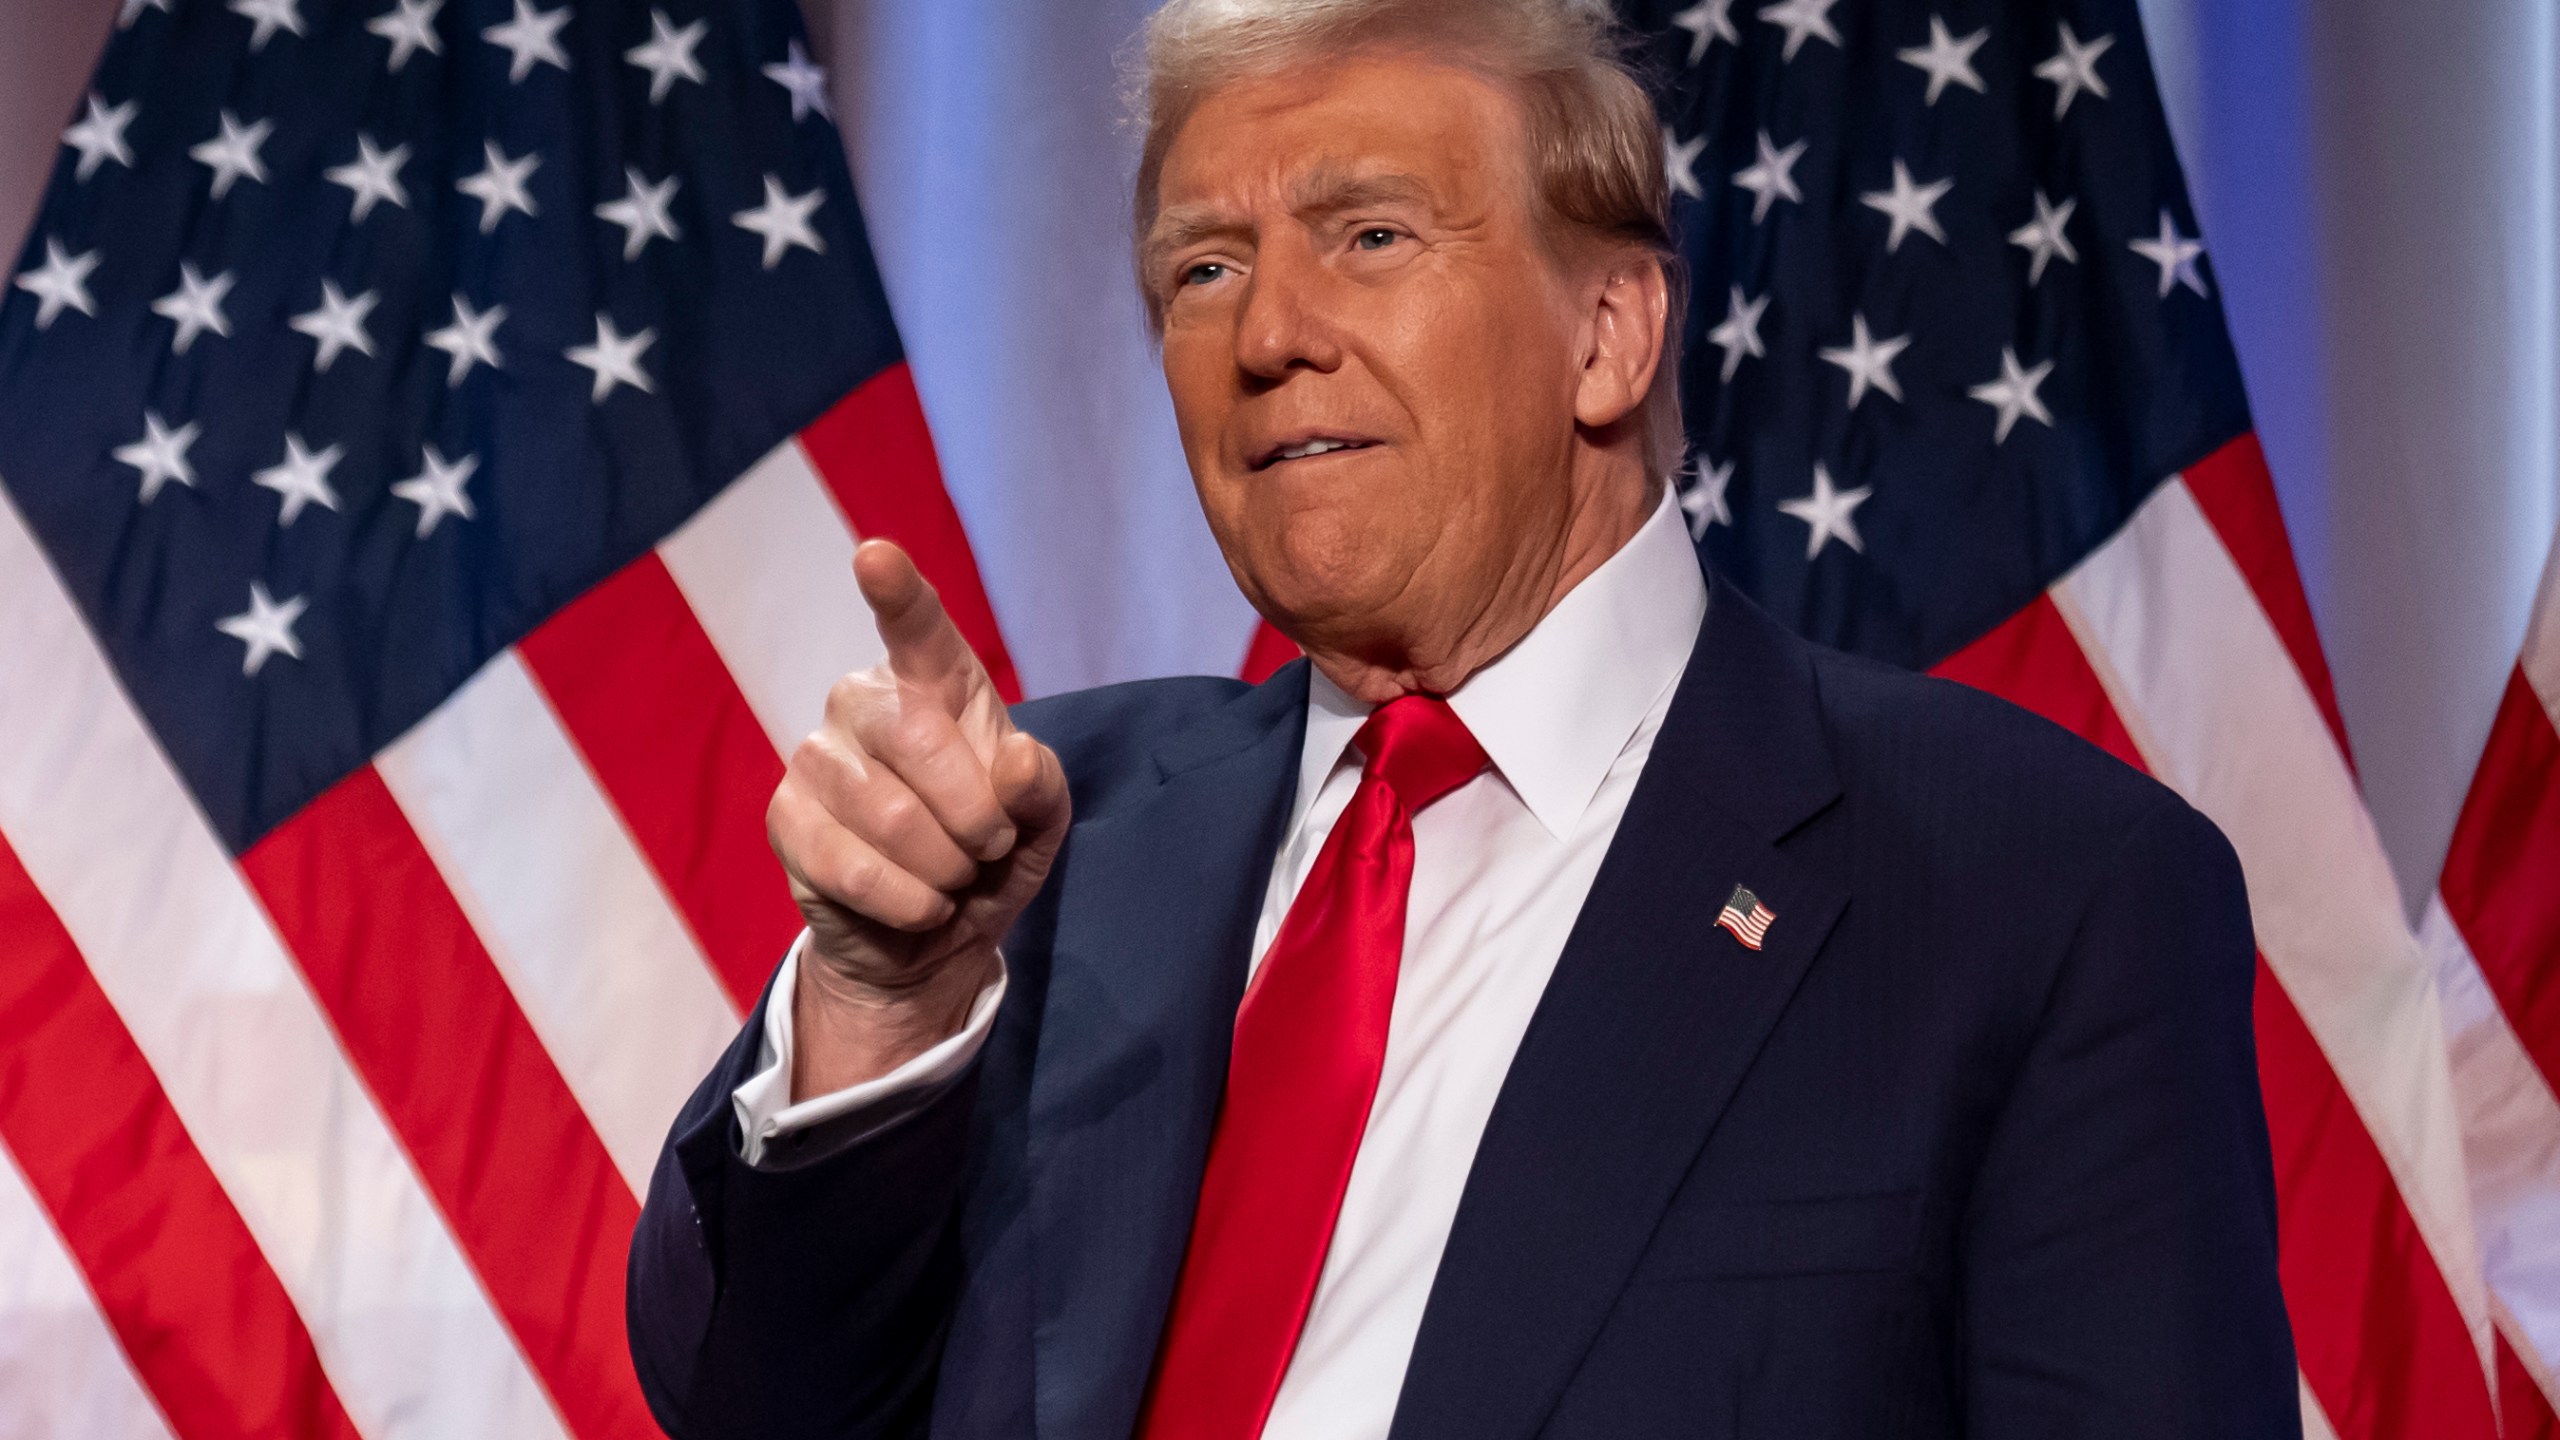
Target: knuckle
x=807 y=757
x=917 y=733
x=854 y=696
x=895 y=812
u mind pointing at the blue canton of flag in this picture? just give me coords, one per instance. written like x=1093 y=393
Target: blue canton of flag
x=1950 y=323
x=352 y=345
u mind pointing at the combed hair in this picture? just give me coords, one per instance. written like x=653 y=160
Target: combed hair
x=1595 y=142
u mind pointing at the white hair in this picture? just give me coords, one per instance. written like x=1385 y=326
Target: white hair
x=1594 y=140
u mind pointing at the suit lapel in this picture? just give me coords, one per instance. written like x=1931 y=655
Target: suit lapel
x=1147 y=966
x=1643 y=1035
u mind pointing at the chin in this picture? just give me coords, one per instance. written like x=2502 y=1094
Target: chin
x=1325 y=566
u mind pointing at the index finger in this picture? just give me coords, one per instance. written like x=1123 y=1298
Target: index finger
x=925 y=648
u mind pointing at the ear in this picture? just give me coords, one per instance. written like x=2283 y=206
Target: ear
x=1623 y=342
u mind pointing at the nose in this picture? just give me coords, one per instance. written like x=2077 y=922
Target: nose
x=1283 y=324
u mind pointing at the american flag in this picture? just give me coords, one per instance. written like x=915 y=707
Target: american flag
x=433 y=437
x=1960 y=396
x=2492 y=932
x=1746 y=917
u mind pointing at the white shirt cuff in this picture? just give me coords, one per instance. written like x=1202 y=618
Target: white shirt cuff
x=763 y=1103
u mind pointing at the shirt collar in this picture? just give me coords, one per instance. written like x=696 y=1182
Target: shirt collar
x=1556 y=710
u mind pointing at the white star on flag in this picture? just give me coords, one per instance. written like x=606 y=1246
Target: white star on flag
x=783 y=221
x=1702 y=499
x=530 y=38
x=471 y=340
x=1831 y=512
x=668 y=55
x=2175 y=254
x=268 y=16
x=132 y=10
x=233 y=154
x=806 y=82
x=1910 y=206
x=1945 y=59
x=196 y=305
x=373 y=176
x=1868 y=360
x=1771 y=178
x=2074 y=68
x=499 y=186
x=1738 y=334
x=2014 y=394
x=265 y=627
x=410 y=26
x=302 y=478
x=338 y=324
x=161 y=454
x=62 y=280
x=2042 y=237
x=1801 y=18
x=642 y=213
x=1707 y=22
x=614 y=357
x=99 y=137
x=1679 y=163
x=437 y=489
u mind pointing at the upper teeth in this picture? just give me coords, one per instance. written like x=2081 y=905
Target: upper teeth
x=1313 y=447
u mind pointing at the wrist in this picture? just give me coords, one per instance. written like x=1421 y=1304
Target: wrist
x=847 y=1031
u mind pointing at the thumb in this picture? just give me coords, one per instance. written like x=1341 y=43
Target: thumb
x=1031 y=786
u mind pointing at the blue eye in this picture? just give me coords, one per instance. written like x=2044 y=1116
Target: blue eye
x=1382 y=236
x=1203 y=273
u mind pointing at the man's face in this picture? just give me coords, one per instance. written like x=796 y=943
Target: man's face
x=1347 y=256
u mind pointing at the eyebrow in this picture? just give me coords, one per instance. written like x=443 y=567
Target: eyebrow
x=1324 y=191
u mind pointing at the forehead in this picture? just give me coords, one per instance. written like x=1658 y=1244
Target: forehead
x=1292 y=136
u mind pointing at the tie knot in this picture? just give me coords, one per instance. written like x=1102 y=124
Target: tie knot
x=1420 y=748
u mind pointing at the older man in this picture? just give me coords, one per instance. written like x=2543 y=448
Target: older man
x=1568 y=1005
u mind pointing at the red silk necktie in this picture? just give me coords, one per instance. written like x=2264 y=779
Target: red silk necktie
x=1310 y=1039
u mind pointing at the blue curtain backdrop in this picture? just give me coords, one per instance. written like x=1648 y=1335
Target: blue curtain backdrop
x=2379 y=183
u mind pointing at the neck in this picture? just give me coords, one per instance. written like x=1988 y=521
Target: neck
x=1604 y=514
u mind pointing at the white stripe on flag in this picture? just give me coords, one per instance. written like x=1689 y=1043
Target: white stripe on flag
x=2213 y=701
x=2541 y=658
x=603 y=969
x=61 y=1370
x=2315 y=1421
x=768 y=568
x=181 y=948
x=2511 y=1133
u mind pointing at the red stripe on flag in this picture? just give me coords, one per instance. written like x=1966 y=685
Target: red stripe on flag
x=2034 y=661
x=201 y=1316
x=2524 y=1412
x=1268 y=651
x=2376 y=1331
x=643 y=694
x=2238 y=498
x=876 y=455
x=427 y=1020
x=2501 y=880
x=2375 y=1327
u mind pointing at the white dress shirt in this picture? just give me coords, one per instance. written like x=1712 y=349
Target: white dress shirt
x=1501 y=867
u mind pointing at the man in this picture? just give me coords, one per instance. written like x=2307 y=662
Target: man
x=1567 y=1006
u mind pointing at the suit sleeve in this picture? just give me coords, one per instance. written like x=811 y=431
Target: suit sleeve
x=796 y=1299
x=2120 y=1242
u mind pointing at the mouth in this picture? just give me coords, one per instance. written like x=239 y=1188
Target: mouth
x=1308 y=446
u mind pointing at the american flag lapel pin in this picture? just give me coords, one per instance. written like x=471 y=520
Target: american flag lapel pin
x=1746 y=917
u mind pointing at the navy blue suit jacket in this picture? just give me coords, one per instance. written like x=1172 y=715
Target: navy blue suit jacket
x=1973 y=1147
